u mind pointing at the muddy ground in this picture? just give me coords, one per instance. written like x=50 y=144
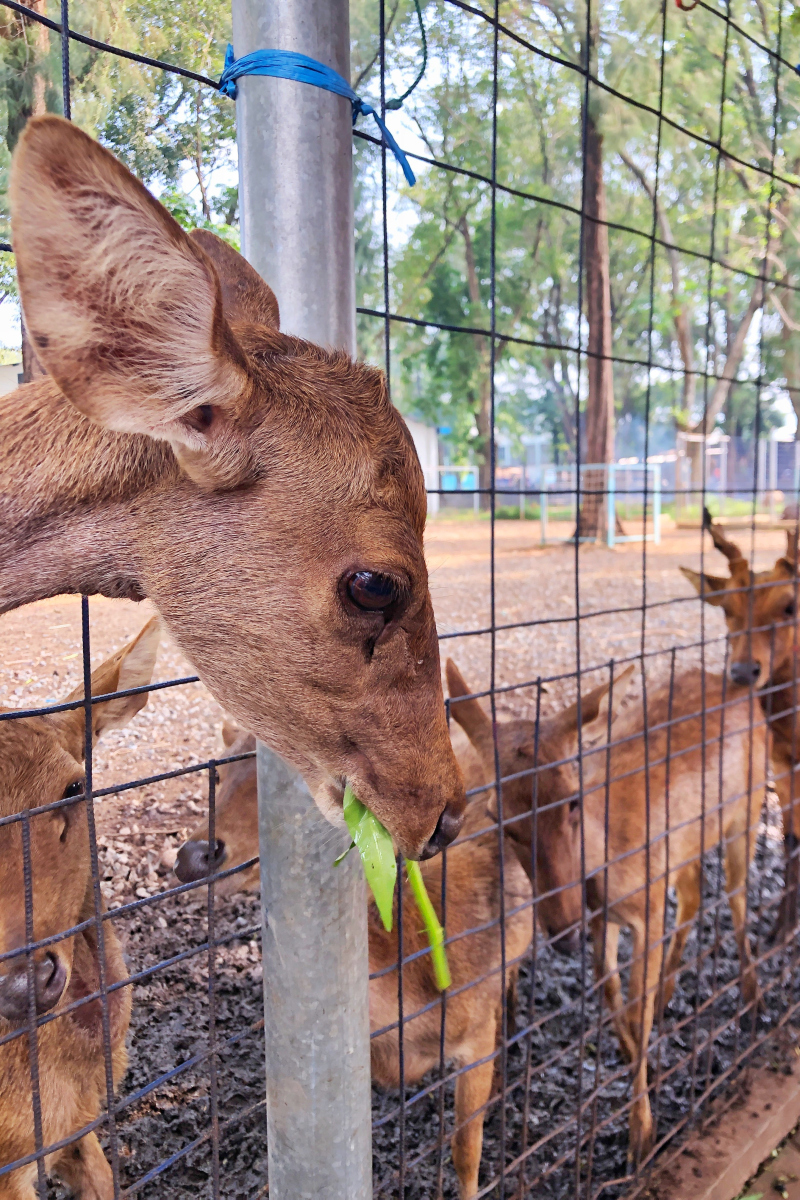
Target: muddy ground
x=140 y=829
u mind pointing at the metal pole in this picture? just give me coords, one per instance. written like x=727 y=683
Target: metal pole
x=612 y=507
x=656 y=504
x=296 y=204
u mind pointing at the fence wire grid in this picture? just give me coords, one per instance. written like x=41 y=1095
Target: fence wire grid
x=608 y=809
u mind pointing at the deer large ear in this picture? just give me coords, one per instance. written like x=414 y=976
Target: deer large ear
x=245 y=295
x=130 y=667
x=711 y=588
x=467 y=713
x=123 y=308
x=595 y=708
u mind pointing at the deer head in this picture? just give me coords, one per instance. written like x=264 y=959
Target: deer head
x=41 y=762
x=759 y=607
x=541 y=793
x=263 y=492
x=235 y=823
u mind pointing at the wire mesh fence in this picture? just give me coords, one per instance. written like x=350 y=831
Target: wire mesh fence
x=621 y=904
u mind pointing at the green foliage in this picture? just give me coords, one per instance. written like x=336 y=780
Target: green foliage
x=440 y=233
x=175 y=134
x=374 y=845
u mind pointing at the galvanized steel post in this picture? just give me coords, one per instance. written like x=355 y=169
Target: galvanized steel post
x=296 y=206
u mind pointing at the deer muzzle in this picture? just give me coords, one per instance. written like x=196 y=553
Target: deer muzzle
x=49 y=981
x=745 y=671
x=196 y=861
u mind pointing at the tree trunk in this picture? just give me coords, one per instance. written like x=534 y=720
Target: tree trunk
x=483 y=414
x=592 y=522
x=733 y=361
x=683 y=328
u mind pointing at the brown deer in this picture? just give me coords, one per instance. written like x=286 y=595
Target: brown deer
x=474 y=1015
x=263 y=492
x=41 y=763
x=760 y=610
x=626 y=871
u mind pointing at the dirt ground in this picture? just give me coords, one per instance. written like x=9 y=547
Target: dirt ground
x=140 y=829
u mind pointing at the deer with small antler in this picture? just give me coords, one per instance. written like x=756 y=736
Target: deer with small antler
x=760 y=610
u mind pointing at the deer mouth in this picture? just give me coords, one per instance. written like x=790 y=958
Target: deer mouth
x=329 y=799
x=85 y=982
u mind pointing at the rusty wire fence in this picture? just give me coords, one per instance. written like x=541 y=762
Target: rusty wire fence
x=611 y=813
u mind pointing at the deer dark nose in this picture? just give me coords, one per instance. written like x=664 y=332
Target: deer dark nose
x=447 y=830
x=195 y=860
x=745 y=671
x=49 y=980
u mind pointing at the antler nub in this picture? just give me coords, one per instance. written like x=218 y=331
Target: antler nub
x=729 y=549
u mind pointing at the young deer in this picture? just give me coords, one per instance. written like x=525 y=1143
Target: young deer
x=626 y=875
x=263 y=492
x=760 y=612
x=41 y=763
x=474 y=1015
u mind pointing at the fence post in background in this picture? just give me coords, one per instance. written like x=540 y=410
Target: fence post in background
x=612 y=506
x=296 y=204
x=761 y=470
x=656 y=503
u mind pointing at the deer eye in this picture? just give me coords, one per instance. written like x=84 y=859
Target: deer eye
x=789 y=609
x=75 y=788
x=371 y=591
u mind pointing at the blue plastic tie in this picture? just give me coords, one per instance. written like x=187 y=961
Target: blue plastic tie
x=287 y=64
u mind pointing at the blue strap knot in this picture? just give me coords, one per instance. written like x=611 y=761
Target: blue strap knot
x=287 y=64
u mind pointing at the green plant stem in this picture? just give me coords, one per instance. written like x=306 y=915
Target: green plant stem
x=441 y=969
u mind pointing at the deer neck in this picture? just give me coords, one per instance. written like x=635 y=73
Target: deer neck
x=71 y=499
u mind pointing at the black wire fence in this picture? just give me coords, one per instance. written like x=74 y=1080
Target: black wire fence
x=620 y=907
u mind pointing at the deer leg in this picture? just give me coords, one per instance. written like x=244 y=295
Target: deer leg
x=644 y=979
x=736 y=887
x=84 y=1167
x=790 y=815
x=512 y=997
x=687 y=885
x=511 y=1017
x=473 y=1089
x=605 y=968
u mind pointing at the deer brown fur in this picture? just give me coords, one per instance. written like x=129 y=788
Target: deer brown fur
x=760 y=610
x=41 y=761
x=184 y=449
x=474 y=1015
x=626 y=876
